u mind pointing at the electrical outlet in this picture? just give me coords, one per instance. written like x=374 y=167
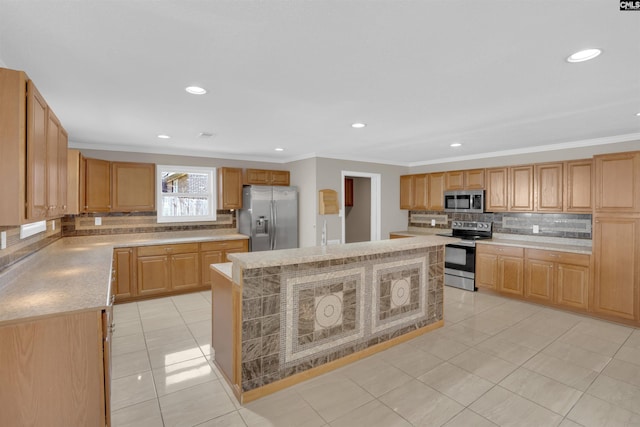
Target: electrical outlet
x=433 y=222
x=536 y=229
x=53 y=225
x=3 y=240
x=98 y=220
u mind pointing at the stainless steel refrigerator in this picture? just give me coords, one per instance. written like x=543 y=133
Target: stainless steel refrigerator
x=269 y=216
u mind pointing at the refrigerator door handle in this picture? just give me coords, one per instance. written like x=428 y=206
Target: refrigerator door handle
x=275 y=225
x=272 y=228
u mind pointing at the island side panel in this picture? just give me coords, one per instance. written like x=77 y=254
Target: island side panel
x=300 y=316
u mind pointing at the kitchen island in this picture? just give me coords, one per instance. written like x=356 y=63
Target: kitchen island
x=280 y=317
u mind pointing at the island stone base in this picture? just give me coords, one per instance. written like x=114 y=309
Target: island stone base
x=300 y=320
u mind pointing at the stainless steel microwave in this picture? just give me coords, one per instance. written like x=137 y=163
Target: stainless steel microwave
x=464 y=201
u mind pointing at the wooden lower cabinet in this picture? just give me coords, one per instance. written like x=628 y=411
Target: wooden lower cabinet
x=159 y=270
x=166 y=268
x=559 y=278
x=56 y=370
x=500 y=268
x=616 y=241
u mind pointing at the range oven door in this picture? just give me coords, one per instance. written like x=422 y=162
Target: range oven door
x=460 y=265
x=460 y=257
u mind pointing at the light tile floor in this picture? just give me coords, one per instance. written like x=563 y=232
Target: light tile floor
x=495 y=362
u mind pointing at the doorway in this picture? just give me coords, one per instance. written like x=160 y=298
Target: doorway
x=361 y=220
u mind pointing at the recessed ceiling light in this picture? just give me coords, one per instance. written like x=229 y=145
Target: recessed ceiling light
x=196 y=90
x=279 y=149
x=358 y=125
x=163 y=136
x=455 y=144
x=205 y=135
x=584 y=55
x=638 y=114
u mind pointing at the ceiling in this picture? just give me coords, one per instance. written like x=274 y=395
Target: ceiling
x=422 y=74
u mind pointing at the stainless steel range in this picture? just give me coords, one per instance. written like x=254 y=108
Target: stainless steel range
x=460 y=258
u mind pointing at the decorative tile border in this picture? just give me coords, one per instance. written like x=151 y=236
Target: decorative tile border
x=299 y=316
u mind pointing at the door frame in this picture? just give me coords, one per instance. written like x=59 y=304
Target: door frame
x=376 y=206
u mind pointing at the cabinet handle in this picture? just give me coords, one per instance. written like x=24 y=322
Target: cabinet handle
x=113 y=299
x=168 y=249
x=553 y=255
x=112 y=328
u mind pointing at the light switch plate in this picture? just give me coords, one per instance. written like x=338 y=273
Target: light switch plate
x=536 y=229
x=3 y=240
x=98 y=220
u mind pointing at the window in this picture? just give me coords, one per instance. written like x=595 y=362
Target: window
x=185 y=193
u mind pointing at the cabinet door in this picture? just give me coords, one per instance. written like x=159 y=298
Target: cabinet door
x=538 y=281
x=62 y=172
x=257 y=177
x=510 y=275
x=616 y=244
x=279 y=178
x=454 y=180
x=133 y=187
x=185 y=271
x=206 y=259
x=348 y=192
x=497 y=190
x=548 y=187
x=486 y=270
x=406 y=191
x=53 y=134
x=153 y=275
x=578 y=194
x=420 y=191
x=229 y=188
x=521 y=188
x=474 y=179
x=123 y=273
x=37 y=122
x=97 y=185
x=572 y=285
x=436 y=191
x=617 y=186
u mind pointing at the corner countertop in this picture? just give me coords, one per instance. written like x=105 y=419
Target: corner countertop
x=324 y=253
x=74 y=273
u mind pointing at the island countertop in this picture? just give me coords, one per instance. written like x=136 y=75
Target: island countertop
x=324 y=253
x=73 y=273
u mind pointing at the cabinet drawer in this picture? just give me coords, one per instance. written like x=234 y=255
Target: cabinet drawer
x=182 y=248
x=501 y=250
x=562 y=257
x=222 y=245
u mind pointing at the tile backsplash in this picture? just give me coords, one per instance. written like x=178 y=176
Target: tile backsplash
x=575 y=226
x=18 y=249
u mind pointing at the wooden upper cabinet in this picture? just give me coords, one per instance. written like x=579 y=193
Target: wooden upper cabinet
x=474 y=179
x=436 y=191
x=421 y=191
x=406 y=191
x=37 y=123
x=521 y=188
x=497 y=190
x=54 y=205
x=618 y=182
x=229 y=188
x=63 y=144
x=578 y=187
x=75 y=185
x=454 y=180
x=549 y=187
x=133 y=187
x=266 y=177
x=97 y=185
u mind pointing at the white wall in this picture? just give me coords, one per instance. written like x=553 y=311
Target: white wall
x=303 y=176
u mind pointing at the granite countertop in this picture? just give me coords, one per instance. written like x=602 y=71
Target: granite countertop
x=580 y=246
x=74 y=273
x=323 y=253
x=224 y=268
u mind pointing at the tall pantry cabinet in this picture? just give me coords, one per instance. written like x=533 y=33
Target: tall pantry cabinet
x=616 y=235
x=33 y=147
